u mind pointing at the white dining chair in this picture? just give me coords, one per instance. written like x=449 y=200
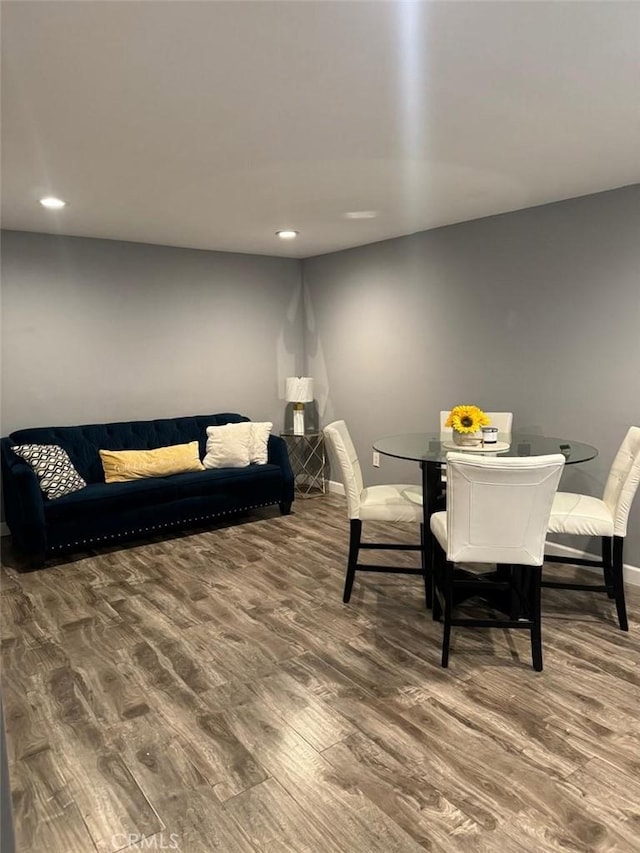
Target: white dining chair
x=607 y=518
x=390 y=503
x=498 y=513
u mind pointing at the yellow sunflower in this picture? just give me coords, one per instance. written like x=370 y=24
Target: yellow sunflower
x=467 y=419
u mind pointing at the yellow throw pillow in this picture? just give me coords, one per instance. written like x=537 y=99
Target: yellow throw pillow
x=123 y=465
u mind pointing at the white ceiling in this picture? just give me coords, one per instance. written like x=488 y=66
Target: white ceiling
x=213 y=124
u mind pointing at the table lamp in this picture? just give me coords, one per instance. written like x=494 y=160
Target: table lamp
x=298 y=390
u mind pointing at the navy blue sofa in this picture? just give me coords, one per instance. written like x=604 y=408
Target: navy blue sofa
x=102 y=513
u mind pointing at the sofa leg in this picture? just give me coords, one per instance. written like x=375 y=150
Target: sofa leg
x=33 y=563
x=285 y=507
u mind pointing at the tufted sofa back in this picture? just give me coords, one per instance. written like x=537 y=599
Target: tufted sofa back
x=82 y=443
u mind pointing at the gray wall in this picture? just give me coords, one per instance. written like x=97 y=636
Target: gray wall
x=99 y=330
x=535 y=312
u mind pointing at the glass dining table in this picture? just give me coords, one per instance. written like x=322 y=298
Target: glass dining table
x=430 y=450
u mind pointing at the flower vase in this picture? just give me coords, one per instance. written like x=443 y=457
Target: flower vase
x=467 y=439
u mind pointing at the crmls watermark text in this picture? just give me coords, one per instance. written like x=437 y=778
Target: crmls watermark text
x=160 y=841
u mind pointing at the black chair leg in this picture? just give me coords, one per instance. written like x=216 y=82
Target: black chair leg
x=355 y=533
x=606 y=565
x=516 y=592
x=428 y=577
x=535 y=616
x=618 y=582
x=436 y=612
x=447 y=586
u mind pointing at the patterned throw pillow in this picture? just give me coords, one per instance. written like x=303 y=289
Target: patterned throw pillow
x=55 y=470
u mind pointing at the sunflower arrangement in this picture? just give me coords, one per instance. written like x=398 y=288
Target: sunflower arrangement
x=467 y=419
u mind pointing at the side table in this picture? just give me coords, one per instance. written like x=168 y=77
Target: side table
x=306 y=453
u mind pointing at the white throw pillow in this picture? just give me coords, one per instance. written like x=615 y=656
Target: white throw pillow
x=228 y=446
x=237 y=445
x=260 y=433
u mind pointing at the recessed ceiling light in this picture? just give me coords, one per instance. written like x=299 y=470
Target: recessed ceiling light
x=361 y=214
x=52 y=203
x=287 y=234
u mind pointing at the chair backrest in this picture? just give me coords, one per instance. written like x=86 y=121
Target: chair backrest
x=498 y=508
x=622 y=482
x=502 y=420
x=339 y=441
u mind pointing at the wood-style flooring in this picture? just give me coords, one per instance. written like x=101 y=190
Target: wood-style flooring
x=211 y=692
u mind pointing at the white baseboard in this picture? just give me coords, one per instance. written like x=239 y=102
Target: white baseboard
x=631 y=573
x=335 y=488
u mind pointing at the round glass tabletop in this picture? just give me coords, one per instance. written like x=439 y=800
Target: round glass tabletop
x=432 y=447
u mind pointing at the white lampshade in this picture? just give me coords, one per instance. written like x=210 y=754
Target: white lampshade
x=299 y=389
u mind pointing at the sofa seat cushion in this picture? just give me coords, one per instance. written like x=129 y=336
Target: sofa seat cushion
x=251 y=479
x=248 y=486
x=109 y=497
